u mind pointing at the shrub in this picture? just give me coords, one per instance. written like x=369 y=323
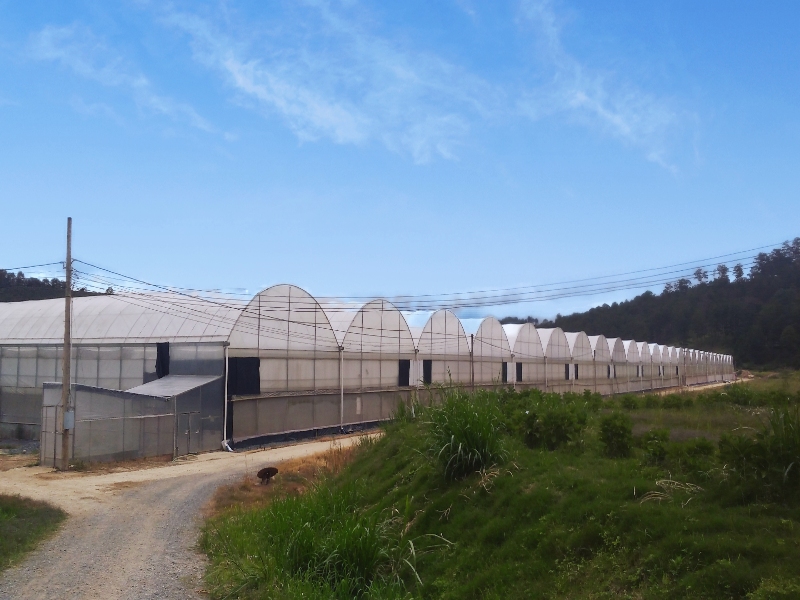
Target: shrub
x=674 y=401
x=466 y=433
x=651 y=401
x=616 y=434
x=549 y=420
x=553 y=427
x=630 y=402
x=655 y=443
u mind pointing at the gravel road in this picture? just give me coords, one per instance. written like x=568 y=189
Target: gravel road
x=130 y=534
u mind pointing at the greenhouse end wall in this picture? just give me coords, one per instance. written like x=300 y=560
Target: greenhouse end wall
x=25 y=369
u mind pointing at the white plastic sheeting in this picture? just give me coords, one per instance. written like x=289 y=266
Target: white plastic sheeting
x=120 y=319
x=491 y=353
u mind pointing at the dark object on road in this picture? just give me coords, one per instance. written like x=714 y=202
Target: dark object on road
x=266 y=474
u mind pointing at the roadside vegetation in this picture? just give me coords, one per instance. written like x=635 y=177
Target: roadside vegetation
x=500 y=494
x=23 y=523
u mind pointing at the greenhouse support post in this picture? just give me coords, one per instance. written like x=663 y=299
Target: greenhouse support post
x=341 y=385
x=65 y=375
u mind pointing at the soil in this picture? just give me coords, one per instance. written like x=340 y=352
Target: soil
x=131 y=533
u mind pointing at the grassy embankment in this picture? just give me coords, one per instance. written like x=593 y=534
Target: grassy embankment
x=23 y=523
x=504 y=495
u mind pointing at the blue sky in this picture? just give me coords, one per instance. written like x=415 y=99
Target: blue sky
x=359 y=148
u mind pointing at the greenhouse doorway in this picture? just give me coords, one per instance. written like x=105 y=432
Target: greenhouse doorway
x=189 y=434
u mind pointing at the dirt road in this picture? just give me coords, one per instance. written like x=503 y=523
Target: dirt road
x=130 y=534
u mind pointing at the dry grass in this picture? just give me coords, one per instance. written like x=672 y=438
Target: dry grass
x=294 y=477
x=12 y=461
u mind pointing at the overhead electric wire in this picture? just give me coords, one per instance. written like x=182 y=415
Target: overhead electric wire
x=467 y=300
x=432 y=297
x=8 y=269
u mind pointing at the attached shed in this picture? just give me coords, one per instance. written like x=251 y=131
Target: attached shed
x=118 y=342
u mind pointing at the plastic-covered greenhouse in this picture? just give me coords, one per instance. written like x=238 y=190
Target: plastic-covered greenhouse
x=171 y=374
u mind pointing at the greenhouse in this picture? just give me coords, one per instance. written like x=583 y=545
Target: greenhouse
x=526 y=347
x=491 y=353
x=601 y=370
x=283 y=364
x=557 y=359
x=581 y=370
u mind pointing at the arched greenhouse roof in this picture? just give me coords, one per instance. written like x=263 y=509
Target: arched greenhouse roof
x=491 y=341
x=525 y=342
x=121 y=319
x=443 y=335
x=378 y=327
x=600 y=348
x=285 y=318
x=655 y=353
x=632 y=354
x=555 y=344
x=616 y=349
x=580 y=348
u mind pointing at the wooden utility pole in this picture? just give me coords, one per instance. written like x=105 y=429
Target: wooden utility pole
x=66 y=434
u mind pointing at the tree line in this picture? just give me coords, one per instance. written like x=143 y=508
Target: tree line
x=16 y=287
x=754 y=316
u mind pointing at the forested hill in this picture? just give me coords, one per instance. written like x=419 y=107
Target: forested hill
x=755 y=316
x=17 y=287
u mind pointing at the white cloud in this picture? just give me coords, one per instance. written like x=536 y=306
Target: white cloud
x=595 y=99
x=77 y=48
x=327 y=77
x=95 y=109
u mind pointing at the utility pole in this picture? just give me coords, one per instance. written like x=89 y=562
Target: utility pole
x=65 y=371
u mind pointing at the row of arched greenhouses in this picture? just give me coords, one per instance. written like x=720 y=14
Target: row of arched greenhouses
x=287 y=362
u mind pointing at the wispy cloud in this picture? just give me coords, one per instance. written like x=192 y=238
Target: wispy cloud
x=95 y=109
x=77 y=48
x=328 y=77
x=596 y=99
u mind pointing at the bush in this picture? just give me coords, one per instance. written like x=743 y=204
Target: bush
x=769 y=463
x=548 y=420
x=655 y=443
x=553 y=427
x=675 y=401
x=616 y=434
x=630 y=402
x=466 y=433
x=651 y=401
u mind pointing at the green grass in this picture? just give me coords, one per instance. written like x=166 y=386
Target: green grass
x=23 y=523
x=669 y=521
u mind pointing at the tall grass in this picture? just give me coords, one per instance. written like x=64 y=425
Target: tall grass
x=767 y=465
x=319 y=544
x=466 y=433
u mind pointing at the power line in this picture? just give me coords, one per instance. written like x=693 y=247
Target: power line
x=9 y=269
